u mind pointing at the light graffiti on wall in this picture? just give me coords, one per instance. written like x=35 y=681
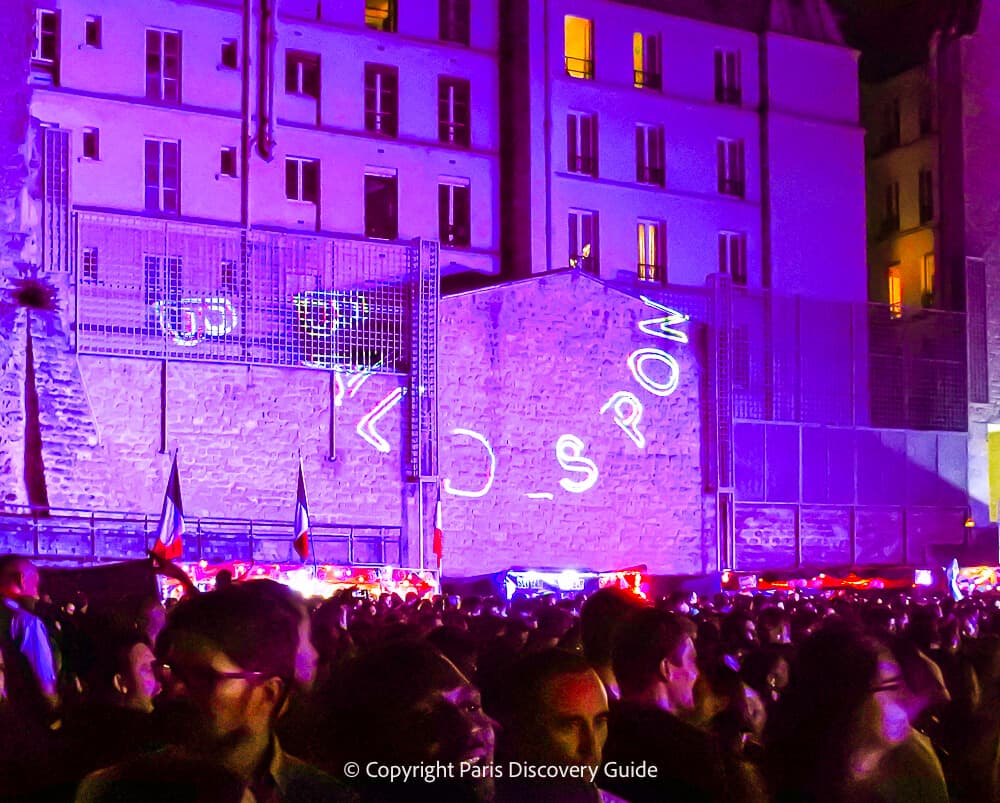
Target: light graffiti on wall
x=636 y=364
x=627 y=411
x=664 y=324
x=366 y=426
x=188 y=321
x=569 y=453
x=446 y=485
x=338 y=389
x=321 y=313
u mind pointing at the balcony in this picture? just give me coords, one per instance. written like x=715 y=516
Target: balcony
x=645 y=79
x=645 y=174
x=579 y=68
x=585 y=165
x=731 y=95
x=732 y=186
x=647 y=272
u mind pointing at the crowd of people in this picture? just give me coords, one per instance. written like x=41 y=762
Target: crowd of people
x=250 y=693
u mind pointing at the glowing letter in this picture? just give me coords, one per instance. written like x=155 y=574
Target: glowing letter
x=662 y=328
x=568 y=453
x=446 y=483
x=628 y=411
x=635 y=364
x=366 y=426
x=540 y=495
x=338 y=389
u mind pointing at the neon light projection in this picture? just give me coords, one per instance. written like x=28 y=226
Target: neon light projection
x=320 y=315
x=190 y=320
x=338 y=389
x=663 y=329
x=446 y=485
x=627 y=411
x=638 y=358
x=569 y=450
x=366 y=426
x=541 y=495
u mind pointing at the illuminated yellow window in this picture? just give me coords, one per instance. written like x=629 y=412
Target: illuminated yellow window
x=381 y=15
x=646 y=61
x=927 y=281
x=651 y=266
x=579 y=47
x=895 y=293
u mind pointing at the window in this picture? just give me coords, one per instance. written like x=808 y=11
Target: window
x=728 y=80
x=88 y=266
x=162 y=176
x=732 y=180
x=453 y=21
x=646 y=62
x=926 y=112
x=649 y=160
x=581 y=143
x=454 y=214
x=91 y=143
x=45 y=53
x=163 y=65
x=230 y=281
x=927 y=280
x=891 y=125
x=926 y=196
x=895 y=292
x=229 y=55
x=583 y=240
x=302 y=73
x=92 y=31
x=890 y=220
x=453 y=111
x=652 y=252
x=381 y=206
x=227 y=161
x=302 y=179
x=733 y=255
x=381 y=99
x=381 y=15
x=579 y=50
x=162 y=280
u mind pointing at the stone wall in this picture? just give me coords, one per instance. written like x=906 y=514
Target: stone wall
x=534 y=474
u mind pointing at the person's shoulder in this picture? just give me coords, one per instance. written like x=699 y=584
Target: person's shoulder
x=302 y=781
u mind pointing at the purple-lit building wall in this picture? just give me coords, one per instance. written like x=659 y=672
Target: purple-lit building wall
x=574 y=430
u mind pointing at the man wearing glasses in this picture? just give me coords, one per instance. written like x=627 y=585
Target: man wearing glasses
x=226 y=663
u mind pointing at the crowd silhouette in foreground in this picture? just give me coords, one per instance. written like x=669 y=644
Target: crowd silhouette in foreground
x=251 y=693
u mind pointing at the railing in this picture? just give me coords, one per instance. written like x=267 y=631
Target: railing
x=645 y=79
x=650 y=175
x=579 y=68
x=651 y=272
x=732 y=186
x=585 y=165
x=91 y=536
x=732 y=95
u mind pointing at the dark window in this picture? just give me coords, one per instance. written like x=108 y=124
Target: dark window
x=732 y=180
x=453 y=21
x=890 y=220
x=453 y=111
x=583 y=241
x=302 y=73
x=91 y=143
x=302 y=179
x=646 y=61
x=733 y=255
x=381 y=15
x=88 y=266
x=381 y=207
x=229 y=57
x=453 y=215
x=381 y=99
x=163 y=65
x=926 y=196
x=162 y=176
x=728 y=81
x=891 y=125
x=581 y=143
x=227 y=161
x=649 y=155
x=92 y=31
x=45 y=53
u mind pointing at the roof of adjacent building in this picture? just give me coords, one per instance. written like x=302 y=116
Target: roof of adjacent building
x=805 y=19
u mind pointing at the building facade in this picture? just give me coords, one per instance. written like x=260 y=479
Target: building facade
x=242 y=217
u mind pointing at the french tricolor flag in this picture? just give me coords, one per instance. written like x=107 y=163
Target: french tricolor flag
x=437 y=545
x=169 y=536
x=301 y=542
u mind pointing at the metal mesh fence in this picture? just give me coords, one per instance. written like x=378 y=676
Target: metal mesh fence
x=183 y=291
x=840 y=363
